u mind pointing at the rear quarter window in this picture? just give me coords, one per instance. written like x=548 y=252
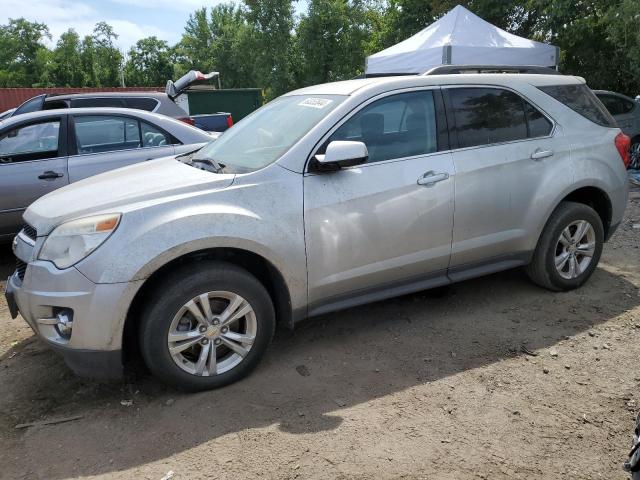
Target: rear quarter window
x=97 y=102
x=141 y=103
x=582 y=100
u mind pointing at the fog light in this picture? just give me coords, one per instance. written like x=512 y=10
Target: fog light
x=65 y=323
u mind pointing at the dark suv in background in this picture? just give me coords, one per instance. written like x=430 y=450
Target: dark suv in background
x=155 y=102
x=626 y=111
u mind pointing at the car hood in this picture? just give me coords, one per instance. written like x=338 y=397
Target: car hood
x=119 y=189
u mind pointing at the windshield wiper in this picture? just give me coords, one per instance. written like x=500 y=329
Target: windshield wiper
x=189 y=159
x=187 y=156
x=219 y=167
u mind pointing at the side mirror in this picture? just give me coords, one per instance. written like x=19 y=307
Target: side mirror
x=342 y=154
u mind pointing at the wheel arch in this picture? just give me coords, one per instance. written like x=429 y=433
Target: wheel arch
x=256 y=264
x=597 y=199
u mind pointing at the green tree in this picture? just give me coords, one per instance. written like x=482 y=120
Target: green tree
x=218 y=40
x=332 y=39
x=233 y=46
x=107 y=57
x=67 y=61
x=194 y=49
x=88 y=61
x=261 y=43
x=149 y=63
x=623 y=31
x=582 y=31
x=20 y=42
x=45 y=67
x=273 y=44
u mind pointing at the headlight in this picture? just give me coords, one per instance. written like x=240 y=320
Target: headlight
x=72 y=241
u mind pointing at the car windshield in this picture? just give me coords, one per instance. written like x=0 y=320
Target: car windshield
x=268 y=133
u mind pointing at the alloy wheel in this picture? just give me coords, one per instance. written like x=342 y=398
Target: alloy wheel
x=212 y=333
x=575 y=249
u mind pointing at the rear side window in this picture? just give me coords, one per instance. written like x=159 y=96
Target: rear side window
x=97 y=102
x=55 y=104
x=582 y=100
x=487 y=115
x=141 y=103
x=102 y=133
x=152 y=137
x=627 y=105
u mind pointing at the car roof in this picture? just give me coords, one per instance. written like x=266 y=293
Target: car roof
x=350 y=87
x=66 y=96
x=84 y=111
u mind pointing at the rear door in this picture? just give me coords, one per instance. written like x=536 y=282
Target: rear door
x=505 y=148
x=105 y=142
x=33 y=162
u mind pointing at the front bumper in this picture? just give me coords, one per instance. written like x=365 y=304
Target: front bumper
x=98 y=312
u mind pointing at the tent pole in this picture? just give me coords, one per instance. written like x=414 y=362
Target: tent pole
x=446 y=55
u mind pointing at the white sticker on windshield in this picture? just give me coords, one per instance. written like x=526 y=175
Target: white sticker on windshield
x=315 y=102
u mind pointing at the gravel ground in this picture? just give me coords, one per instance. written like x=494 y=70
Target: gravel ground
x=491 y=378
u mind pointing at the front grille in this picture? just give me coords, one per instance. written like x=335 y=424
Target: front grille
x=21 y=268
x=30 y=232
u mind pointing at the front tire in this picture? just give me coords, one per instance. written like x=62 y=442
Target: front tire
x=208 y=325
x=569 y=248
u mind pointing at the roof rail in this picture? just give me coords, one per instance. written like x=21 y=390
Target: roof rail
x=456 y=69
x=379 y=75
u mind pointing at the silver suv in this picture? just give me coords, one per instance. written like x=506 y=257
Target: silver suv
x=328 y=197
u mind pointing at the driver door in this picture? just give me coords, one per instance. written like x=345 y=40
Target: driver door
x=382 y=228
x=33 y=162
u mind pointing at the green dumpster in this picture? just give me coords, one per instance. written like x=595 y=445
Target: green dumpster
x=239 y=102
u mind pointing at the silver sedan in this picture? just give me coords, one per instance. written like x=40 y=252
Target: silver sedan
x=46 y=150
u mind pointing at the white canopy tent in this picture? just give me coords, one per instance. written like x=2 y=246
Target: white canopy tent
x=460 y=38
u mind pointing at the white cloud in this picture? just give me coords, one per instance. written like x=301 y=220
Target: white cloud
x=182 y=5
x=61 y=15
x=129 y=32
x=130 y=19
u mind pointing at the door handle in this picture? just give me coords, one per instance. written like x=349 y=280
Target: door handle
x=50 y=175
x=540 y=154
x=429 y=179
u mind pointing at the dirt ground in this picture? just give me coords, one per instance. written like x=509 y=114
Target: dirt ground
x=491 y=378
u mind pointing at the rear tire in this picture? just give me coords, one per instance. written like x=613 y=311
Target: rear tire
x=634 y=162
x=208 y=325
x=562 y=261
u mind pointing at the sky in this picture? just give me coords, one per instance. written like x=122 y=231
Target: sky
x=131 y=19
